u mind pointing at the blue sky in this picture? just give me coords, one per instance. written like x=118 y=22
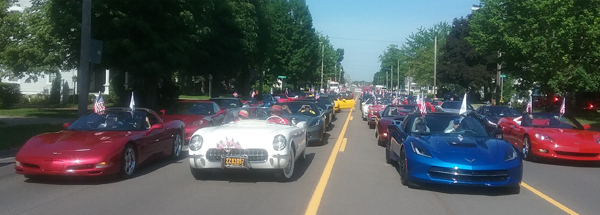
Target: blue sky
x=364 y=28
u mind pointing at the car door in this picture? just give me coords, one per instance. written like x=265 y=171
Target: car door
x=161 y=139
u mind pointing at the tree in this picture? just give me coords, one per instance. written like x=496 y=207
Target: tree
x=419 y=51
x=461 y=64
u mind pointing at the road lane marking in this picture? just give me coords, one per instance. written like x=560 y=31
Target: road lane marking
x=343 y=147
x=547 y=198
x=351 y=118
x=315 y=200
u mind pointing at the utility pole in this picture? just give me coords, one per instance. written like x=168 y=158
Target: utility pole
x=84 y=60
x=435 y=68
x=322 y=57
x=499 y=78
x=392 y=77
x=398 y=68
x=340 y=80
x=409 y=80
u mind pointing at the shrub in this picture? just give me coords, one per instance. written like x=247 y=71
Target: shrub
x=9 y=94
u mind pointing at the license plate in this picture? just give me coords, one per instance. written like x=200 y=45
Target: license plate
x=235 y=162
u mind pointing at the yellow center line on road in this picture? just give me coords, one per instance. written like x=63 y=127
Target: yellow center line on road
x=351 y=118
x=315 y=200
x=343 y=147
x=547 y=198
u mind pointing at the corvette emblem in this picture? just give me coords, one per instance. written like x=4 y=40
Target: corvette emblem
x=460 y=138
x=470 y=161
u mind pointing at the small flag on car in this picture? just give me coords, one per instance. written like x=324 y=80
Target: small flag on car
x=562 y=107
x=529 y=107
x=132 y=103
x=235 y=94
x=99 y=105
x=253 y=93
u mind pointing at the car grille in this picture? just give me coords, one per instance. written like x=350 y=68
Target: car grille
x=252 y=154
x=461 y=175
x=577 y=154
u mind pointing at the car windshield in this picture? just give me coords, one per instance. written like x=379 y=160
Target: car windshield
x=500 y=111
x=228 y=103
x=398 y=110
x=113 y=120
x=550 y=120
x=193 y=108
x=301 y=108
x=453 y=125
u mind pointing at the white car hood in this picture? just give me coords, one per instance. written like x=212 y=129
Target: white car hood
x=248 y=133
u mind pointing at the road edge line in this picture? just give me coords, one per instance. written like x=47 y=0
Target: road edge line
x=315 y=200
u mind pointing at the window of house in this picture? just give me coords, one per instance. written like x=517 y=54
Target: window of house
x=51 y=78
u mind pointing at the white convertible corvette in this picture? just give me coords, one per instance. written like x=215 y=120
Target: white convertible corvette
x=255 y=143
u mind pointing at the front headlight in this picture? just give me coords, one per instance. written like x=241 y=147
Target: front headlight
x=314 y=123
x=279 y=143
x=543 y=137
x=511 y=154
x=420 y=150
x=196 y=142
x=196 y=123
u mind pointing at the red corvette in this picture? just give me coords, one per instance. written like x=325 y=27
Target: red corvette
x=195 y=114
x=548 y=136
x=115 y=142
x=373 y=111
x=282 y=97
x=251 y=101
x=391 y=113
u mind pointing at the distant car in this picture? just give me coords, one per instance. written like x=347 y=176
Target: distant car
x=488 y=116
x=445 y=148
x=550 y=136
x=253 y=144
x=115 y=142
x=454 y=107
x=307 y=111
x=325 y=106
x=374 y=111
x=282 y=97
x=268 y=100
x=391 y=113
x=195 y=114
x=250 y=101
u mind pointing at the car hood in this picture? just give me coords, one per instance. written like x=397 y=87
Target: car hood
x=571 y=137
x=71 y=141
x=465 y=150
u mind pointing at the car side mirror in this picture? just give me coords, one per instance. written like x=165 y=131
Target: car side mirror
x=497 y=133
x=162 y=112
x=66 y=125
x=221 y=112
x=154 y=127
x=587 y=127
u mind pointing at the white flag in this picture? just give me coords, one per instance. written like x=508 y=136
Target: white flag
x=132 y=103
x=463 y=106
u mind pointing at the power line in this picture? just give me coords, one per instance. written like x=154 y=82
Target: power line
x=381 y=41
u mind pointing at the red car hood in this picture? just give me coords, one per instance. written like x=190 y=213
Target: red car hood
x=69 y=141
x=376 y=108
x=570 y=137
x=187 y=119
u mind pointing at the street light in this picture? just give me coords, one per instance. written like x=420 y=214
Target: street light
x=74 y=79
x=322 y=57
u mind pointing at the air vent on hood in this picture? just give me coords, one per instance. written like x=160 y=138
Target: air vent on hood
x=459 y=144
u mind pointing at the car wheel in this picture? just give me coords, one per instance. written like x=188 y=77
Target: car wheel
x=286 y=173
x=402 y=167
x=177 y=146
x=128 y=162
x=200 y=174
x=388 y=160
x=371 y=126
x=526 y=149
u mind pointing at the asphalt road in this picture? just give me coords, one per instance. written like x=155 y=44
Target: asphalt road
x=353 y=181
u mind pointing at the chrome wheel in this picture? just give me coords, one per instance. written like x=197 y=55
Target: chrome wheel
x=177 y=145
x=402 y=167
x=526 y=151
x=128 y=161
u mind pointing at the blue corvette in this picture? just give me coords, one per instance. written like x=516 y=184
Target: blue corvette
x=446 y=148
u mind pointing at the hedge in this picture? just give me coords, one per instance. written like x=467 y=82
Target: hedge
x=9 y=94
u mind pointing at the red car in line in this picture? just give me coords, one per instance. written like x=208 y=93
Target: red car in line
x=546 y=135
x=115 y=142
x=196 y=114
x=282 y=97
x=373 y=111
x=391 y=113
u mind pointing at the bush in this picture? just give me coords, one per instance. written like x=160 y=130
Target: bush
x=9 y=94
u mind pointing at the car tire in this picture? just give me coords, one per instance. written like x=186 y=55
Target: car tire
x=371 y=126
x=284 y=175
x=388 y=159
x=526 y=149
x=177 y=146
x=402 y=167
x=128 y=162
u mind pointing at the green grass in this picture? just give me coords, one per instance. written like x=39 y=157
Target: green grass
x=15 y=136
x=40 y=112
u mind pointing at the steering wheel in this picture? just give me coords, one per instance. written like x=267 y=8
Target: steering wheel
x=281 y=120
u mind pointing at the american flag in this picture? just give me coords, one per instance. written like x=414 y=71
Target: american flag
x=235 y=94
x=99 y=105
x=529 y=108
x=562 y=107
x=423 y=107
x=253 y=93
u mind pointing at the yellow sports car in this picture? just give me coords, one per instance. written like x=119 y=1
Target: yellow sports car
x=346 y=100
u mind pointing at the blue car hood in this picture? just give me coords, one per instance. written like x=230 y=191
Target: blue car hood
x=464 y=150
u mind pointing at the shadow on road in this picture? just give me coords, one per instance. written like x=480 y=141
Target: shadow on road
x=254 y=176
x=97 y=180
x=330 y=127
x=326 y=139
